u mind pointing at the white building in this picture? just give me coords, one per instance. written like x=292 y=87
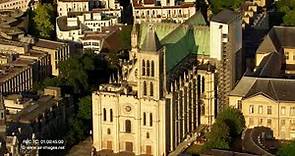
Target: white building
x=75 y=24
x=66 y=6
x=150 y=11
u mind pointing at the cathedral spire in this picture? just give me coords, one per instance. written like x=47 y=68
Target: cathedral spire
x=180 y=81
x=171 y=87
x=151 y=41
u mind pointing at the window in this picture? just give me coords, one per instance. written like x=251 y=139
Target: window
x=283 y=122
x=203 y=84
x=148 y=150
x=251 y=109
x=269 y=110
x=293 y=57
x=151 y=89
x=287 y=55
x=251 y=122
x=144 y=118
x=151 y=119
x=144 y=88
x=143 y=68
x=292 y=111
x=153 y=69
x=127 y=126
x=104 y=114
x=260 y=121
x=148 y=68
x=147 y=135
x=260 y=109
x=269 y=122
x=109 y=131
x=283 y=110
x=240 y=104
x=111 y=115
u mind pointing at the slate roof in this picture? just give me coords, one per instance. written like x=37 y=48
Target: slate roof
x=274 y=88
x=277 y=38
x=151 y=42
x=225 y=16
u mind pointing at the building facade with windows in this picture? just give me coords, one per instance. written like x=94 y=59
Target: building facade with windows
x=164 y=92
x=166 y=11
x=267 y=102
x=265 y=95
x=73 y=26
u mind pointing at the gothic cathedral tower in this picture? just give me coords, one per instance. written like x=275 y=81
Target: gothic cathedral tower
x=150 y=65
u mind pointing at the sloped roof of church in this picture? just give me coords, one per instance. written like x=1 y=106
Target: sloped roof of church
x=192 y=36
x=151 y=42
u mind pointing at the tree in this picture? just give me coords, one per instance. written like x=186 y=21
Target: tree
x=43 y=19
x=219 y=136
x=85 y=108
x=75 y=74
x=234 y=120
x=218 y=5
x=286 y=9
x=289 y=18
x=287 y=149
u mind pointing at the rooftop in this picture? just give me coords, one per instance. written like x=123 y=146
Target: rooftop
x=63 y=26
x=274 y=88
x=36 y=108
x=48 y=44
x=225 y=16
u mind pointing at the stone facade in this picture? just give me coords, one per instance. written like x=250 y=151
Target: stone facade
x=153 y=103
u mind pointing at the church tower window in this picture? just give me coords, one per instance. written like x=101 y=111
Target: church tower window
x=144 y=88
x=153 y=68
x=151 y=89
x=111 y=115
x=148 y=67
x=104 y=114
x=143 y=68
x=144 y=118
x=127 y=126
x=151 y=119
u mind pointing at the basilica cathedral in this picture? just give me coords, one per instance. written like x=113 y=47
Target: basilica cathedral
x=164 y=91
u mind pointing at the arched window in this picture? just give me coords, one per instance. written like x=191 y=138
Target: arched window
x=109 y=131
x=203 y=84
x=144 y=88
x=151 y=119
x=143 y=68
x=111 y=115
x=153 y=69
x=148 y=68
x=144 y=118
x=147 y=135
x=151 y=89
x=104 y=114
x=127 y=126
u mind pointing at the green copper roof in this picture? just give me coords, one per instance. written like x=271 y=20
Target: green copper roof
x=180 y=40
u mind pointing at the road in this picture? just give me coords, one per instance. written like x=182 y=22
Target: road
x=185 y=144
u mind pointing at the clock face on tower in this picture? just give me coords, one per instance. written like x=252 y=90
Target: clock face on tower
x=127 y=108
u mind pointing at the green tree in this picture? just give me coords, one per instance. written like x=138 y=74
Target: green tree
x=218 y=5
x=43 y=20
x=287 y=149
x=74 y=74
x=85 y=108
x=219 y=136
x=234 y=120
x=289 y=18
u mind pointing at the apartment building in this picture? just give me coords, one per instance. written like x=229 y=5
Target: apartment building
x=165 y=11
x=75 y=24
